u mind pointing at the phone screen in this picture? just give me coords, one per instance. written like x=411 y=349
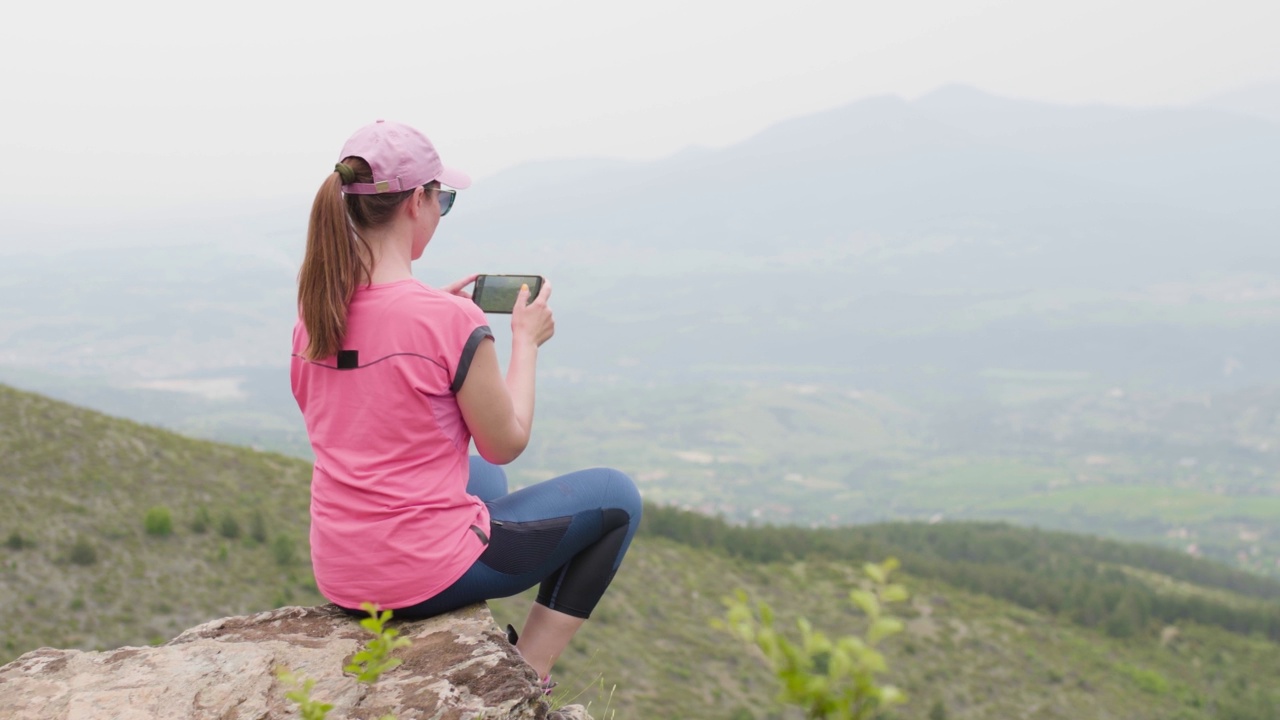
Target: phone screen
x=497 y=293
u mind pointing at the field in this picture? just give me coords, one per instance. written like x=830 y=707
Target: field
x=1198 y=472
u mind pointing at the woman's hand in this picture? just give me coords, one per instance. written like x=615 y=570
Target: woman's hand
x=456 y=288
x=500 y=415
x=533 y=321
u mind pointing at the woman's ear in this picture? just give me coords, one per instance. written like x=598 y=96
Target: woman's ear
x=415 y=203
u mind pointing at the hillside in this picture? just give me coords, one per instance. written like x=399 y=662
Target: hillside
x=81 y=570
x=651 y=645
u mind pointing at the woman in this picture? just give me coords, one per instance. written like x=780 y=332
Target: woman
x=394 y=379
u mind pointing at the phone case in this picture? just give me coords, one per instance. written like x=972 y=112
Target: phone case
x=491 y=303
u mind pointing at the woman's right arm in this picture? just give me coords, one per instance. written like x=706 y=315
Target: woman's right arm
x=499 y=413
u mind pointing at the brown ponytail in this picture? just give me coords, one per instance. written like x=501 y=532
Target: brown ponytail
x=337 y=258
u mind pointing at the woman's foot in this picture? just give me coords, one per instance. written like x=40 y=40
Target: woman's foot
x=513 y=637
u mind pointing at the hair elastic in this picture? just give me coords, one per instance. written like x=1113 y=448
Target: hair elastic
x=348 y=174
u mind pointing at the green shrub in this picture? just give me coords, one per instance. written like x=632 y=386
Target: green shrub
x=229 y=527
x=83 y=552
x=258 y=527
x=17 y=542
x=1146 y=680
x=159 y=521
x=283 y=548
x=201 y=523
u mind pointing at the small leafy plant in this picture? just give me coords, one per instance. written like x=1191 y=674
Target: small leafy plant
x=828 y=678
x=368 y=665
x=375 y=659
x=308 y=709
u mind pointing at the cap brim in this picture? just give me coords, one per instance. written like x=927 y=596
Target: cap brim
x=454 y=178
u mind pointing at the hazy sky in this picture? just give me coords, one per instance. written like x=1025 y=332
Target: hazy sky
x=113 y=110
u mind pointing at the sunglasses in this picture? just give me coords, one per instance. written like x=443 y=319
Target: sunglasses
x=446 y=198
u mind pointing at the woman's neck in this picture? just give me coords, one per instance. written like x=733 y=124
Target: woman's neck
x=385 y=271
x=391 y=261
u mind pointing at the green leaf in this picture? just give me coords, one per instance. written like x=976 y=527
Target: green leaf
x=866 y=600
x=890 y=695
x=839 y=664
x=883 y=628
x=875 y=572
x=874 y=661
x=894 y=593
x=766 y=614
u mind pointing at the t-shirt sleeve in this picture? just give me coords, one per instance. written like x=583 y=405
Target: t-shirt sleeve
x=471 y=328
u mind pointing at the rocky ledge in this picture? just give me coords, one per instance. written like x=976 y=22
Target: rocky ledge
x=458 y=666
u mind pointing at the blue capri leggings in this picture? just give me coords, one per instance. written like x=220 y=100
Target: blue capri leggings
x=568 y=533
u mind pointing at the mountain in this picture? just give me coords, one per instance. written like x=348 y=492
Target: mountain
x=956 y=162
x=1260 y=101
x=1003 y=621
x=959 y=229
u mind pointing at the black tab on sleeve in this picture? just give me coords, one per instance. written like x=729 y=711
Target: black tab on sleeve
x=468 y=352
x=348 y=359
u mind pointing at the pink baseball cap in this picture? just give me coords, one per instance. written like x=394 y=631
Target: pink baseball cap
x=401 y=159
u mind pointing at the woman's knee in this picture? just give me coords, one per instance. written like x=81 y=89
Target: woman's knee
x=487 y=481
x=621 y=492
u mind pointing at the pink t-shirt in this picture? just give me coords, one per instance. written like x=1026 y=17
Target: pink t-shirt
x=391 y=520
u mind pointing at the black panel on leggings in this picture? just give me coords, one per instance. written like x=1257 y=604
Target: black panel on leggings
x=518 y=547
x=580 y=584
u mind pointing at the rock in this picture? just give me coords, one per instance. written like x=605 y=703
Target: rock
x=458 y=666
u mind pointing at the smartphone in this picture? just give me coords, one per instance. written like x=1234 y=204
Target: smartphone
x=497 y=293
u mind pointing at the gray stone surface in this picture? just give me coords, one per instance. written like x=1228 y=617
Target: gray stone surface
x=458 y=666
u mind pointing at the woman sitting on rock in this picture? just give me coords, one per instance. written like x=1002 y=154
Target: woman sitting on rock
x=395 y=379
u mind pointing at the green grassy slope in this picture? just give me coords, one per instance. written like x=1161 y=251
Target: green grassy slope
x=77 y=567
x=77 y=478
x=651 y=644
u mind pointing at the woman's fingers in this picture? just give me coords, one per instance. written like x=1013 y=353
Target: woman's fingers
x=455 y=288
x=534 y=319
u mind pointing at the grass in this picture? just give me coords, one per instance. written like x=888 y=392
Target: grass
x=80 y=485
x=652 y=639
x=649 y=651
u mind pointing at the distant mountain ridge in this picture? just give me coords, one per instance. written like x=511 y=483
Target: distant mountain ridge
x=955 y=161
x=951 y=199
x=1261 y=101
